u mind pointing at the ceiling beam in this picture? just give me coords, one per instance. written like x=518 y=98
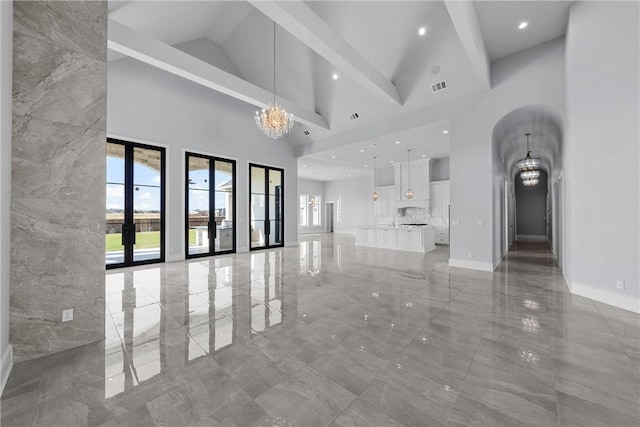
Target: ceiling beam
x=465 y=20
x=146 y=49
x=303 y=23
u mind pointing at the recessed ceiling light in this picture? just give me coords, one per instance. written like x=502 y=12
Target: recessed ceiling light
x=445 y=131
x=335 y=76
x=365 y=166
x=523 y=25
x=390 y=161
x=362 y=151
x=422 y=31
x=424 y=155
x=304 y=166
x=397 y=142
x=348 y=174
x=333 y=157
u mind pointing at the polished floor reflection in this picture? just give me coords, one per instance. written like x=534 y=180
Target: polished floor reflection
x=332 y=334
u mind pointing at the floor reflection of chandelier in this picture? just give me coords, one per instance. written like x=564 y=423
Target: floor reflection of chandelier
x=274 y=121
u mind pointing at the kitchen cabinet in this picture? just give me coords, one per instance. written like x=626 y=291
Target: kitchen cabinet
x=385 y=205
x=413 y=239
x=419 y=183
x=439 y=199
x=441 y=235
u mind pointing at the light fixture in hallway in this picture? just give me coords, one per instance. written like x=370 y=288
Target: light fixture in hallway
x=529 y=167
x=375 y=196
x=409 y=193
x=274 y=121
x=313 y=201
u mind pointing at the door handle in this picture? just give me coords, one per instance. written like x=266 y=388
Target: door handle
x=133 y=232
x=267 y=227
x=123 y=231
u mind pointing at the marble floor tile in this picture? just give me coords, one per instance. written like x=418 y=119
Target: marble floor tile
x=266 y=339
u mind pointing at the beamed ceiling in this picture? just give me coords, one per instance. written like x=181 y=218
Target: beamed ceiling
x=385 y=68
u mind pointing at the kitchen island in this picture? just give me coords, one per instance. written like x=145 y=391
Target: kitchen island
x=403 y=238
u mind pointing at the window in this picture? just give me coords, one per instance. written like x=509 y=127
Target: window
x=316 y=205
x=310 y=210
x=304 y=212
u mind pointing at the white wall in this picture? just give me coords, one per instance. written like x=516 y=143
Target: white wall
x=311 y=187
x=6 y=71
x=353 y=203
x=152 y=106
x=439 y=170
x=602 y=214
x=532 y=77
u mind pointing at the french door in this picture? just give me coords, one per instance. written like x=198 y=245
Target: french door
x=135 y=204
x=210 y=225
x=266 y=192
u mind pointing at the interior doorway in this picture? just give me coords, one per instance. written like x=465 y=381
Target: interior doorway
x=532 y=216
x=329 y=217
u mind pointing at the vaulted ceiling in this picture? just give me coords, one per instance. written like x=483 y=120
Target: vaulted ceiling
x=385 y=68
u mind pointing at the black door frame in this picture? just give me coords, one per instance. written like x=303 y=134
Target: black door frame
x=212 y=197
x=268 y=211
x=128 y=228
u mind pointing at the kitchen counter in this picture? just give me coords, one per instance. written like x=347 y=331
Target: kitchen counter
x=401 y=237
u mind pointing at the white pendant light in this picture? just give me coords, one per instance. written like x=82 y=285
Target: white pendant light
x=375 y=196
x=409 y=193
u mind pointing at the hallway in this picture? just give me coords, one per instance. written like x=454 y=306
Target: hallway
x=328 y=333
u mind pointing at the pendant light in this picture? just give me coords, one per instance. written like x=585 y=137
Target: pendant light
x=529 y=168
x=409 y=193
x=273 y=120
x=528 y=163
x=375 y=196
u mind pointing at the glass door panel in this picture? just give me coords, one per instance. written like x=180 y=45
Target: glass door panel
x=198 y=195
x=276 y=214
x=114 y=242
x=267 y=208
x=224 y=205
x=210 y=227
x=135 y=204
x=147 y=215
x=258 y=225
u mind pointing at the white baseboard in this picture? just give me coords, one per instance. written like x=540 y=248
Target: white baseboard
x=605 y=296
x=291 y=243
x=6 y=363
x=471 y=265
x=498 y=261
x=242 y=249
x=349 y=233
x=531 y=237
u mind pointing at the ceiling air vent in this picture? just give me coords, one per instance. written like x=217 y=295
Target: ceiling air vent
x=437 y=87
x=306 y=133
x=354 y=116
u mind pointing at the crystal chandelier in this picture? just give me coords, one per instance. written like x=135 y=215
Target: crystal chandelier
x=529 y=168
x=375 y=196
x=314 y=201
x=274 y=121
x=409 y=193
x=528 y=163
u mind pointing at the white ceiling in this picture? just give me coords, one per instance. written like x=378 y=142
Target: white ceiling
x=385 y=67
x=499 y=23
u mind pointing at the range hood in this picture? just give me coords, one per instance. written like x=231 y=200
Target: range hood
x=401 y=204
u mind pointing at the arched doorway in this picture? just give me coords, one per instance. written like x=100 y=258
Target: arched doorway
x=529 y=212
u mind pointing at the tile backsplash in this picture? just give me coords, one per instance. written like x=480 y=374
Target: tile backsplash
x=419 y=216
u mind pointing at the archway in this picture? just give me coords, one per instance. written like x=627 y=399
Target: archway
x=509 y=146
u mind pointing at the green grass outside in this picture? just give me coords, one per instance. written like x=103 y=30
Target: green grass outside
x=145 y=240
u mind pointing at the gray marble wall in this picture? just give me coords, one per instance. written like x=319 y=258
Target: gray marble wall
x=58 y=175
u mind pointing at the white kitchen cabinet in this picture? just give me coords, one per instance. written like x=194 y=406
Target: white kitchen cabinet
x=419 y=182
x=385 y=205
x=439 y=199
x=441 y=235
x=413 y=239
